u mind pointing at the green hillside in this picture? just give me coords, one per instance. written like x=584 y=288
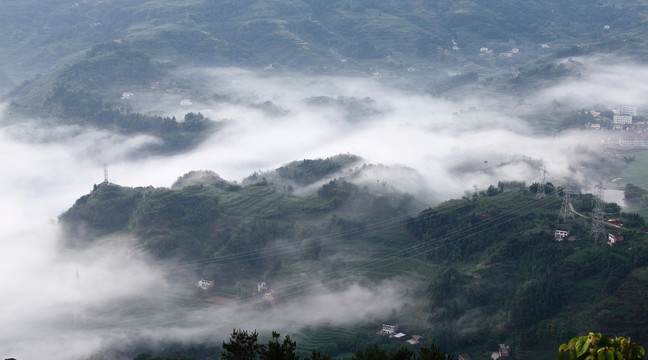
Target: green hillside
x=480 y=270
x=98 y=91
x=75 y=61
x=310 y=33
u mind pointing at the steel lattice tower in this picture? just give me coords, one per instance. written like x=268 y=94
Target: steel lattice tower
x=566 y=208
x=106 y=181
x=598 y=228
x=540 y=192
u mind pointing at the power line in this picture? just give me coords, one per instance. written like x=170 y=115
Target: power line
x=335 y=238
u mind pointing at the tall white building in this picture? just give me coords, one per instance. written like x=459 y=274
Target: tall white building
x=622 y=119
x=625 y=110
x=628 y=110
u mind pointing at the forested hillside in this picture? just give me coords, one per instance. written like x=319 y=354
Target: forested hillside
x=308 y=33
x=104 y=63
x=482 y=270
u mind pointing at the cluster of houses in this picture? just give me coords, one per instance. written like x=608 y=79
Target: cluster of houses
x=392 y=332
x=485 y=52
x=504 y=351
x=168 y=86
x=634 y=134
x=262 y=288
x=613 y=237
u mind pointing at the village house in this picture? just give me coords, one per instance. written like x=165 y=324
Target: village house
x=185 y=102
x=416 y=340
x=503 y=352
x=388 y=329
x=127 y=95
x=262 y=286
x=560 y=235
x=614 y=238
x=205 y=284
x=617 y=222
x=269 y=298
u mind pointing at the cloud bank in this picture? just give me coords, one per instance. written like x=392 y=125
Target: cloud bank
x=68 y=304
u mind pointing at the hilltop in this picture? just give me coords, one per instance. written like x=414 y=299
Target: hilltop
x=481 y=270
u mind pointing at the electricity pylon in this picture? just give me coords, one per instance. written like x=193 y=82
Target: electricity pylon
x=598 y=228
x=540 y=192
x=566 y=208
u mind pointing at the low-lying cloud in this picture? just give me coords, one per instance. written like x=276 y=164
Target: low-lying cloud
x=67 y=304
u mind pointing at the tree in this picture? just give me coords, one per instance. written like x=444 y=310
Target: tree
x=241 y=346
x=374 y=352
x=245 y=346
x=596 y=347
x=633 y=194
x=433 y=352
x=279 y=351
x=316 y=355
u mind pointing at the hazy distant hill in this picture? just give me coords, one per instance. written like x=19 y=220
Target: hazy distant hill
x=41 y=35
x=483 y=270
x=91 y=54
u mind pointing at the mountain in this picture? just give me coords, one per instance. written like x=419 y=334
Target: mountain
x=482 y=270
x=102 y=63
x=308 y=33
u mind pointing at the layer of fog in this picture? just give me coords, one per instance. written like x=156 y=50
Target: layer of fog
x=607 y=79
x=454 y=145
x=59 y=301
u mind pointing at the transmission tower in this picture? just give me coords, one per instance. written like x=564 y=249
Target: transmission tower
x=106 y=181
x=598 y=228
x=540 y=193
x=566 y=208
